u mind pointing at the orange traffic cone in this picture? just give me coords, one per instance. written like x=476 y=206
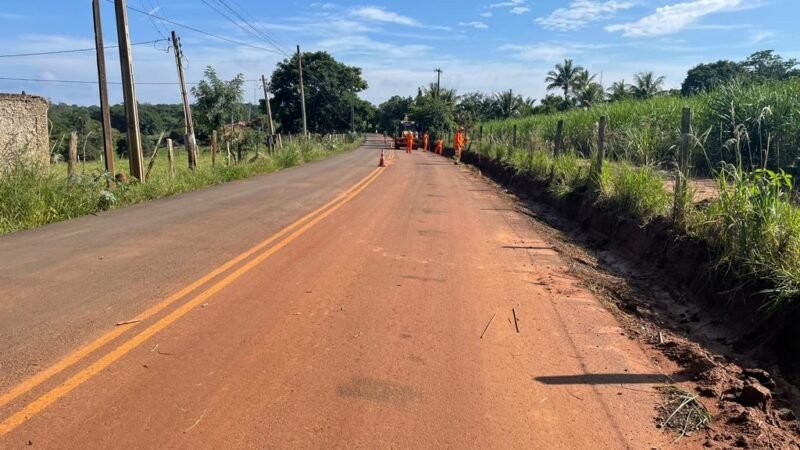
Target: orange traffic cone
x=382 y=162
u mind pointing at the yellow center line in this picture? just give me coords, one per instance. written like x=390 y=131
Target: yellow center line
x=78 y=355
x=38 y=405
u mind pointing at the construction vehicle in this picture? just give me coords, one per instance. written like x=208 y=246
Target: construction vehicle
x=403 y=129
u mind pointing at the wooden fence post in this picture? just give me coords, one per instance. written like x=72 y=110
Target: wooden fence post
x=153 y=158
x=683 y=167
x=73 y=153
x=214 y=148
x=601 y=151
x=171 y=158
x=559 y=138
x=514 y=137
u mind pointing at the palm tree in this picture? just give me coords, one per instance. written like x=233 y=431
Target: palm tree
x=647 y=85
x=563 y=77
x=619 y=90
x=508 y=104
x=587 y=91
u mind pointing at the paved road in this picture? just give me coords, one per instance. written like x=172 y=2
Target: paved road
x=329 y=305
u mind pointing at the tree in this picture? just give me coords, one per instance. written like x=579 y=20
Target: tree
x=508 y=105
x=551 y=104
x=587 y=91
x=434 y=115
x=705 y=77
x=563 y=77
x=217 y=101
x=647 y=85
x=474 y=107
x=391 y=112
x=330 y=89
x=767 y=65
x=619 y=90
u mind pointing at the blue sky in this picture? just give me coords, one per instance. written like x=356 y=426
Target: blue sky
x=487 y=46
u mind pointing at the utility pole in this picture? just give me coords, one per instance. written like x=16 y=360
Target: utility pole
x=438 y=80
x=352 y=111
x=302 y=93
x=105 y=110
x=271 y=138
x=134 y=136
x=191 y=143
x=266 y=103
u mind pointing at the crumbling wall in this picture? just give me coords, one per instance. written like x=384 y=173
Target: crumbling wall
x=23 y=131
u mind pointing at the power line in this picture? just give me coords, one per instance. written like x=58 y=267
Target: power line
x=77 y=50
x=196 y=30
x=150 y=83
x=41 y=80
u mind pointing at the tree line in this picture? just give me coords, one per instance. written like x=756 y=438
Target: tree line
x=571 y=85
x=331 y=91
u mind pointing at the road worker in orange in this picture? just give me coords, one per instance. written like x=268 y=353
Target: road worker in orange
x=409 y=142
x=426 y=142
x=439 y=145
x=459 y=140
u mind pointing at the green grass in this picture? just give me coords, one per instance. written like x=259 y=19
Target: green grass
x=754 y=226
x=33 y=198
x=750 y=141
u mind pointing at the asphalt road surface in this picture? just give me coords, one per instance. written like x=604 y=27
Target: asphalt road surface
x=332 y=305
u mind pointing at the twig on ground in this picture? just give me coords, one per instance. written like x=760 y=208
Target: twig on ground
x=487 y=325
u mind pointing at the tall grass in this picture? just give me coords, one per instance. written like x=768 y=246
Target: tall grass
x=34 y=197
x=750 y=135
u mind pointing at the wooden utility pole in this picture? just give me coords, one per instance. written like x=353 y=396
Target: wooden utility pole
x=134 y=136
x=302 y=92
x=438 y=81
x=105 y=109
x=269 y=107
x=191 y=143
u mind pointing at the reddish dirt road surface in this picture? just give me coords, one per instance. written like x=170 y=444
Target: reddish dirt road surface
x=358 y=328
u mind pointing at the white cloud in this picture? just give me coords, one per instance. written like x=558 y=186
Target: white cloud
x=476 y=24
x=378 y=14
x=674 y=18
x=519 y=10
x=550 y=51
x=486 y=14
x=508 y=4
x=581 y=12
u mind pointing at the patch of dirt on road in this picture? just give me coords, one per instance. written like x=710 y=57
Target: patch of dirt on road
x=750 y=407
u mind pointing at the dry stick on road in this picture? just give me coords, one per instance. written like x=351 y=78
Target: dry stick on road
x=153 y=156
x=487 y=325
x=516 y=321
x=171 y=158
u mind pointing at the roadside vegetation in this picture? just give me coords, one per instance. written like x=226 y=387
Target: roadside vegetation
x=744 y=134
x=34 y=197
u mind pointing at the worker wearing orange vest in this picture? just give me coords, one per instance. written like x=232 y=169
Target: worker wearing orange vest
x=439 y=144
x=459 y=141
x=409 y=142
x=425 y=142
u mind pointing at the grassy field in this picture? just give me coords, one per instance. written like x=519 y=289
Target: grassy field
x=745 y=137
x=33 y=198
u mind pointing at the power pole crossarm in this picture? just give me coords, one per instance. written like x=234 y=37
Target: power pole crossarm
x=105 y=110
x=129 y=91
x=302 y=92
x=191 y=144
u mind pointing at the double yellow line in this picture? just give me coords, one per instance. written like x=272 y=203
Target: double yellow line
x=280 y=239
